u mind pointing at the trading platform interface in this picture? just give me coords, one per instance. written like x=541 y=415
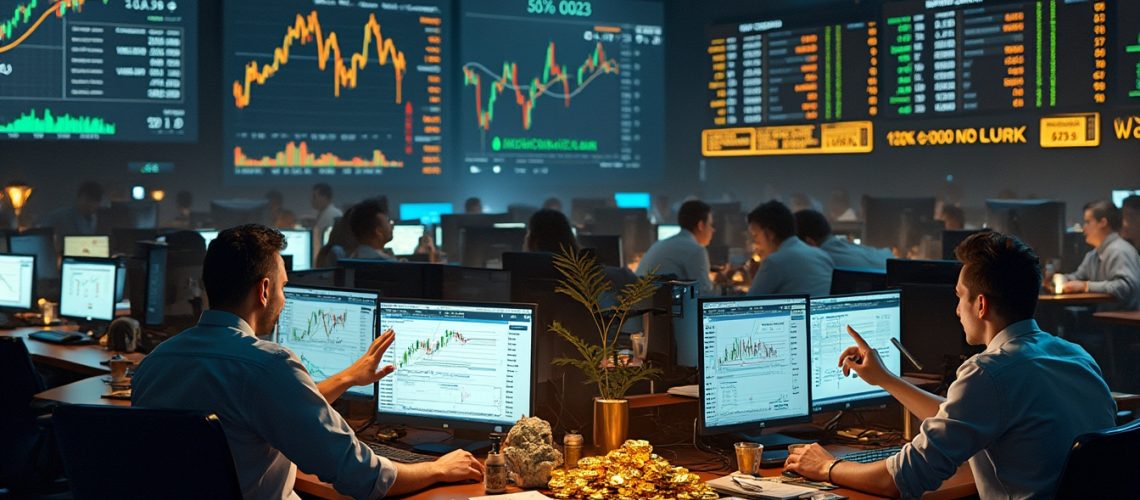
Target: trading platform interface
x=876 y=317
x=16 y=273
x=328 y=329
x=87 y=289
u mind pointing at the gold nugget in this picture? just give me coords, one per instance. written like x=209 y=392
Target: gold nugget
x=632 y=471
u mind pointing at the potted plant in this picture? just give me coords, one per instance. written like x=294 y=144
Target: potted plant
x=584 y=281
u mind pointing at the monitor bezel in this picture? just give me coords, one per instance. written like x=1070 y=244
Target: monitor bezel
x=445 y=423
x=878 y=401
x=32 y=300
x=114 y=263
x=753 y=426
x=375 y=327
x=63 y=243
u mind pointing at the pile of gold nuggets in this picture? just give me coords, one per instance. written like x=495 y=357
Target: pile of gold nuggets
x=630 y=472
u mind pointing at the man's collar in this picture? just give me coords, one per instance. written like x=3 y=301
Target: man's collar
x=1113 y=236
x=1012 y=331
x=225 y=319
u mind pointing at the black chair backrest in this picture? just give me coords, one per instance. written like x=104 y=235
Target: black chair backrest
x=117 y=452
x=1100 y=463
x=21 y=380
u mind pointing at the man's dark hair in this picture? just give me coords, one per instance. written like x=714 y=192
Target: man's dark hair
x=323 y=189
x=363 y=221
x=472 y=203
x=237 y=259
x=1003 y=269
x=1131 y=203
x=775 y=217
x=90 y=190
x=812 y=224
x=548 y=230
x=1103 y=209
x=692 y=213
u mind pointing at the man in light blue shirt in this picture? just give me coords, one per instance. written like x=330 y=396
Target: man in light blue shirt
x=1112 y=266
x=1014 y=409
x=787 y=265
x=684 y=254
x=372 y=228
x=812 y=227
x=275 y=418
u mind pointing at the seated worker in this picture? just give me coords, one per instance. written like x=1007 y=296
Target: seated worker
x=684 y=254
x=1112 y=266
x=275 y=418
x=372 y=229
x=812 y=227
x=549 y=230
x=787 y=265
x=1013 y=410
x=1130 y=220
x=81 y=218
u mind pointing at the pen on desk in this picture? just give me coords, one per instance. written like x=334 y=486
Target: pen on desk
x=909 y=356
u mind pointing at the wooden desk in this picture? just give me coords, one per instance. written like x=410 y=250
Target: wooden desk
x=81 y=359
x=1126 y=318
x=88 y=391
x=1076 y=299
x=961 y=484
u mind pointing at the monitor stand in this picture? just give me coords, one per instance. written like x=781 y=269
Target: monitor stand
x=472 y=441
x=772 y=441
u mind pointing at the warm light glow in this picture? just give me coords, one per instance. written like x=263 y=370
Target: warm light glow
x=157 y=195
x=18 y=194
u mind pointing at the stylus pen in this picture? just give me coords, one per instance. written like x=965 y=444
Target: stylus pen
x=906 y=353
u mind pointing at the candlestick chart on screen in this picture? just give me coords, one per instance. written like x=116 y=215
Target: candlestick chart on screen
x=345 y=89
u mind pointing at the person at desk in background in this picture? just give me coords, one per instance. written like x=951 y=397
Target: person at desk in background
x=787 y=265
x=79 y=219
x=275 y=418
x=372 y=229
x=684 y=255
x=473 y=205
x=813 y=229
x=953 y=218
x=1013 y=410
x=1112 y=266
x=1130 y=220
x=322 y=202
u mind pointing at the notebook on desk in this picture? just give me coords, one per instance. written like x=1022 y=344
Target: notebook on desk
x=59 y=337
x=768 y=489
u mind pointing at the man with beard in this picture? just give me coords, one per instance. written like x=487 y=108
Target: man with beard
x=275 y=418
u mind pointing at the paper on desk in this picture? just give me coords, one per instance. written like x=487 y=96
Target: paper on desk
x=526 y=495
x=771 y=489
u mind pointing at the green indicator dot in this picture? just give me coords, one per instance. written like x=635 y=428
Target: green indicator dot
x=496 y=144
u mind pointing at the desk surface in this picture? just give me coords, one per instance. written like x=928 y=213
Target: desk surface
x=88 y=391
x=1129 y=318
x=82 y=359
x=1077 y=298
x=961 y=484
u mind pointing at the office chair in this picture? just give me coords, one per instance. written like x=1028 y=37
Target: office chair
x=1101 y=463
x=28 y=460
x=117 y=452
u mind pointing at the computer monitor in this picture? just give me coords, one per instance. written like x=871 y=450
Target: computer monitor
x=405 y=238
x=87 y=288
x=633 y=200
x=666 y=231
x=147 y=287
x=877 y=317
x=17 y=282
x=632 y=224
x=328 y=329
x=846 y=280
x=1118 y=196
x=898 y=222
x=123 y=239
x=87 y=246
x=607 y=247
x=458 y=364
x=582 y=209
x=229 y=213
x=449 y=239
x=425 y=213
x=1039 y=223
x=299 y=244
x=509 y=225
x=484 y=246
x=208 y=235
x=135 y=214
x=475 y=284
x=393 y=279
x=931 y=330
x=754 y=368
x=41 y=243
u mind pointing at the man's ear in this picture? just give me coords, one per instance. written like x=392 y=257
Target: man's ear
x=982 y=306
x=265 y=290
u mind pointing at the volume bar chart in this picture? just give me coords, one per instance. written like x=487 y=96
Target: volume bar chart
x=31 y=123
x=295 y=155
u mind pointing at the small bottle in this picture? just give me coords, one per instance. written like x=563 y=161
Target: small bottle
x=495 y=479
x=572 y=444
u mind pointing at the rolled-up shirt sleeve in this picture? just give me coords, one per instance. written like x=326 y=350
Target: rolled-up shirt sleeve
x=294 y=417
x=969 y=420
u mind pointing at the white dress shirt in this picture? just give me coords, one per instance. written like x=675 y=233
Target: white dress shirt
x=1013 y=413
x=272 y=413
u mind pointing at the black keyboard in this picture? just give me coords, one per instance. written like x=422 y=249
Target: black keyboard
x=872 y=455
x=58 y=337
x=398 y=454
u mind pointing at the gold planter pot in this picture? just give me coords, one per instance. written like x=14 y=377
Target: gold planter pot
x=611 y=423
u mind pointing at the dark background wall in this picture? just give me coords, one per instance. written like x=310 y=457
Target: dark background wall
x=54 y=168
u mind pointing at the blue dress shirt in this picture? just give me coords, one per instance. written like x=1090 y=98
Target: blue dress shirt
x=849 y=255
x=681 y=256
x=795 y=267
x=271 y=411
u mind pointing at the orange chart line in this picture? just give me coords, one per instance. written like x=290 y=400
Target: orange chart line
x=306 y=29
x=54 y=8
